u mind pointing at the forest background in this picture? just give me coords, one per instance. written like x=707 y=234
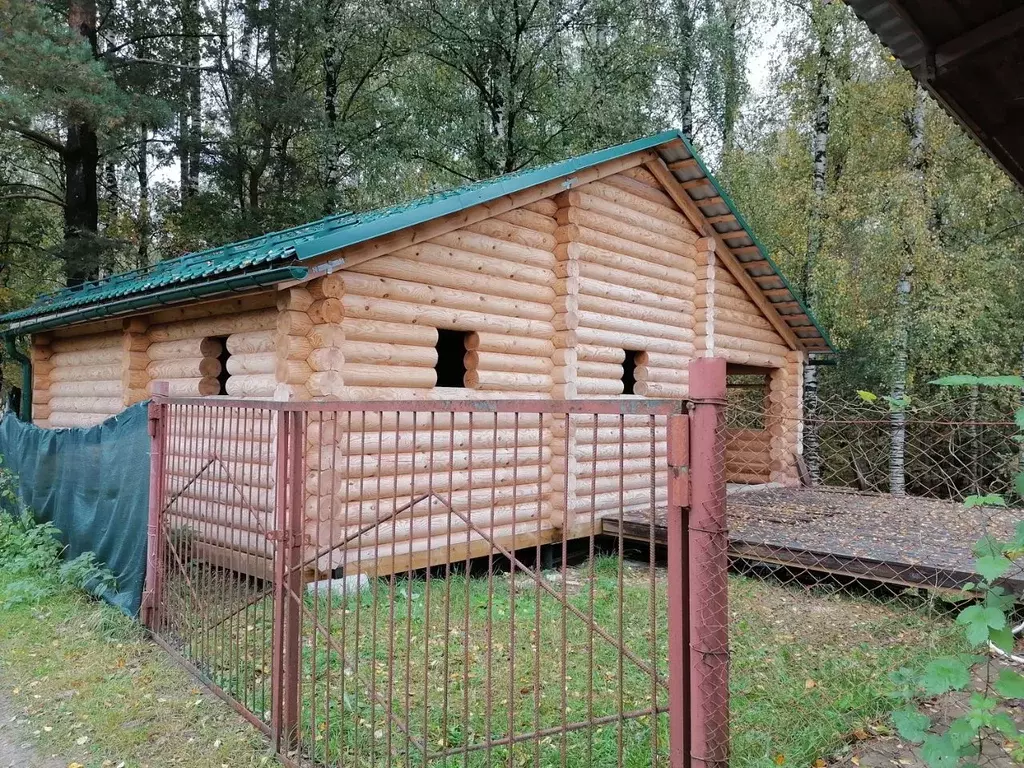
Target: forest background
x=138 y=130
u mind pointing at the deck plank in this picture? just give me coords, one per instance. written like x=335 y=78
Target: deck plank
x=910 y=541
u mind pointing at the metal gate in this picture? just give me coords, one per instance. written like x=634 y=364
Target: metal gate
x=432 y=583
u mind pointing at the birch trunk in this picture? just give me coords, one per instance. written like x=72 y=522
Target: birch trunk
x=815 y=226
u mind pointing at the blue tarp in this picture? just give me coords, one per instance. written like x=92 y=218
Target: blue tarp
x=93 y=484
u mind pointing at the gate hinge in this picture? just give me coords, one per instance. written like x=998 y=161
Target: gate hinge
x=679 y=486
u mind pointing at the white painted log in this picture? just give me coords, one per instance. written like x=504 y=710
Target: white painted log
x=333 y=358
x=329 y=311
x=734 y=343
x=506 y=227
x=747 y=331
x=608 y=322
x=233 y=472
x=438 y=442
x=588 y=269
x=194 y=387
x=603 y=502
x=596 y=354
x=659 y=263
x=614 y=481
x=326 y=287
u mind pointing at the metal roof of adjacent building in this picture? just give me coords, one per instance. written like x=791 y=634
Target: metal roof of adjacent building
x=969 y=54
x=284 y=255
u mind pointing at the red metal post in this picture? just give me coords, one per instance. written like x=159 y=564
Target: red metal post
x=678 y=592
x=708 y=553
x=153 y=594
x=287 y=634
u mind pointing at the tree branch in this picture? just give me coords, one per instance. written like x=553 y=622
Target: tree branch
x=36 y=137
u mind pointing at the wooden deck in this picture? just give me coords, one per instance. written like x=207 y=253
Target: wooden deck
x=909 y=541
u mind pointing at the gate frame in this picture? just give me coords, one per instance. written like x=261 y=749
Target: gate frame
x=697 y=551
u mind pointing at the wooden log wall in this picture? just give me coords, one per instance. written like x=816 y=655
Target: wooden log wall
x=83 y=381
x=186 y=345
x=42 y=368
x=730 y=326
x=493 y=281
x=626 y=286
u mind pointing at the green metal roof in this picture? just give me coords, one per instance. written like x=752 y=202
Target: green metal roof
x=298 y=245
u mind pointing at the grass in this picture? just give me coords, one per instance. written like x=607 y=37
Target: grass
x=809 y=669
x=86 y=684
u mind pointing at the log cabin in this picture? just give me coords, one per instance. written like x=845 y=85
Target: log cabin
x=600 y=276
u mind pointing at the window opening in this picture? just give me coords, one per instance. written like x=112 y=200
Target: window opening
x=451 y=358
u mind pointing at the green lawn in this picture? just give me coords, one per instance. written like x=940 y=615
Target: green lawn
x=88 y=686
x=808 y=669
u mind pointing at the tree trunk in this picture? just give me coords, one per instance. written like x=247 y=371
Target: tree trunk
x=81 y=160
x=733 y=78
x=898 y=413
x=144 y=225
x=901 y=344
x=815 y=226
x=190 y=115
x=685 y=64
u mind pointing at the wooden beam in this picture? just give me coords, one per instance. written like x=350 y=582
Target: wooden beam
x=709 y=201
x=694 y=183
x=777 y=293
x=743 y=250
x=981 y=36
x=723 y=217
x=683 y=165
x=661 y=172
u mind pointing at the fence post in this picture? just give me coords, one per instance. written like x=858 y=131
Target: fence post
x=287 y=535
x=708 y=554
x=678 y=591
x=152 y=594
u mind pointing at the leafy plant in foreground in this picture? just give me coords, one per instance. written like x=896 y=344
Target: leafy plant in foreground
x=30 y=556
x=987 y=624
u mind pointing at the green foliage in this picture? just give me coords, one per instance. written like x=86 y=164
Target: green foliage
x=31 y=556
x=986 y=623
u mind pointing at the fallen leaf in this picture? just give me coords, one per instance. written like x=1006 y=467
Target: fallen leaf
x=860 y=734
x=810 y=684
x=819 y=763
x=780 y=759
x=82 y=740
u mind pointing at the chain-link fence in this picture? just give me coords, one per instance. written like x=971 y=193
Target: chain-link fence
x=853 y=569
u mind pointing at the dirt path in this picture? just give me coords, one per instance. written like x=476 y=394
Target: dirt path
x=16 y=751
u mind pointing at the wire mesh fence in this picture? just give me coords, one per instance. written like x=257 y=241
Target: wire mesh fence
x=426 y=583
x=842 y=580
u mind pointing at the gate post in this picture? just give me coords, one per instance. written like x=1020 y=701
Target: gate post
x=678 y=450
x=152 y=593
x=709 y=563
x=287 y=535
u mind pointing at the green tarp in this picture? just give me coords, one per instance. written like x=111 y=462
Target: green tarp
x=93 y=484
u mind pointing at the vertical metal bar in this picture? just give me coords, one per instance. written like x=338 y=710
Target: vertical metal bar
x=277 y=695
x=678 y=593
x=293 y=545
x=708 y=551
x=157 y=425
